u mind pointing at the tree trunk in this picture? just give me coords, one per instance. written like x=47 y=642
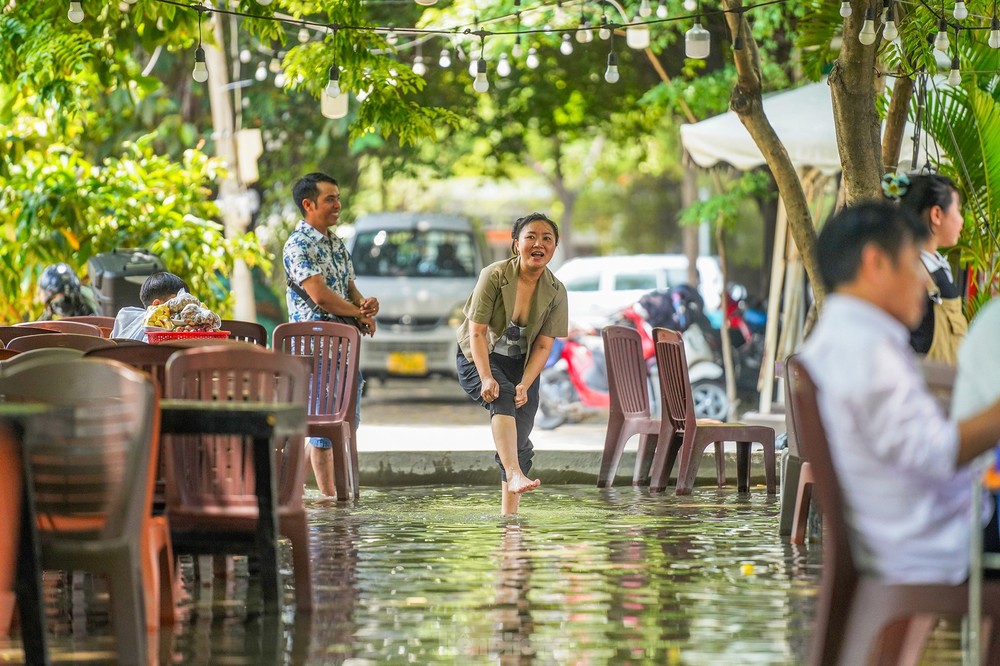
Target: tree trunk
x=895 y=122
x=747 y=103
x=855 y=115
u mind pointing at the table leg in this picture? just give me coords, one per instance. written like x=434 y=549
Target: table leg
x=30 y=600
x=266 y=539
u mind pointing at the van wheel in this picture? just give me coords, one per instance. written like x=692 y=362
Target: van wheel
x=710 y=400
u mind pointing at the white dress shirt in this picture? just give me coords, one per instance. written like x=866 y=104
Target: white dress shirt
x=907 y=505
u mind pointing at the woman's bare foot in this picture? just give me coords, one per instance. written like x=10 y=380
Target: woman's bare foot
x=519 y=483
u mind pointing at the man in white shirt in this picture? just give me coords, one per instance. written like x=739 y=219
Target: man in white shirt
x=902 y=464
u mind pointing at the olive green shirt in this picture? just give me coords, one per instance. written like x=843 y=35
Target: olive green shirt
x=492 y=303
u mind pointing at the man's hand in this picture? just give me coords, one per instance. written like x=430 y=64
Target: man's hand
x=369 y=307
x=366 y=325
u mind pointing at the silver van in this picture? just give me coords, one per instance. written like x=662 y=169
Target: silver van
x=421 y=267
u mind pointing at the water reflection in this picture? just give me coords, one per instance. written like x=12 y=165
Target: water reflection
x=432 y=575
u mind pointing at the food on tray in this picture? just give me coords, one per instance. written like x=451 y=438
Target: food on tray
x=183 y=312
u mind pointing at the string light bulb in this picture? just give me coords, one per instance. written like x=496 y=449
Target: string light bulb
x=503 y=66
x=584 y=34
x=995 y=33
x=611 y=73
x=419 y=68
x=481 y=84
x=605 y=31
x=868 y=35
x=333 y=85
x=961 y=12
x=75 y=14
x=566 y=47
x=941 y=41
x=645 y=9
x=661 y=10
x=532 y=60
x=845 y=9
x=426 y=3
x=890 y=31
x=516 y=51
x=304 y=35
x=263 y=3
x=690 y=5
x=261 y=72
x=444 y=62
x=955 y=76
x=200 y=72
x=697 y=41
x=637 y=35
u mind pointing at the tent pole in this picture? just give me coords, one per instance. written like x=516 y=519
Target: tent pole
x=774 y=307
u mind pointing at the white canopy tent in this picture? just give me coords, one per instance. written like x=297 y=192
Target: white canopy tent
x=803 y=119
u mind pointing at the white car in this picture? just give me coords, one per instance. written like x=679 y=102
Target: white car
x=598 y=287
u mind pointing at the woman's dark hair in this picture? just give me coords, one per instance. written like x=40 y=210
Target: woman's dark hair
x=845 y=235
x=521 y=222
x=926 y=191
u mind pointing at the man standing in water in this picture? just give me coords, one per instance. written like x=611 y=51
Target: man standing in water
x=516 y=310
x=318 y=267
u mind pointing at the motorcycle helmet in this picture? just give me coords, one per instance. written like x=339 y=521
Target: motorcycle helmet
x=62 y=292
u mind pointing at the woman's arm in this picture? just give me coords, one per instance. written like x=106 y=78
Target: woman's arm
x=479 y=340
x=537 y=357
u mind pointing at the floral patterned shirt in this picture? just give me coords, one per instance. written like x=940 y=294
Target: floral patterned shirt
x=307 y=253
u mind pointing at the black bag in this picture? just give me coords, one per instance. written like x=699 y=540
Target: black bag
x=323 y=314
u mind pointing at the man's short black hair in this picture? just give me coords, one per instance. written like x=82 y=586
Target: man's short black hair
x=162 y=285
x=845 y=235
x=307 y=187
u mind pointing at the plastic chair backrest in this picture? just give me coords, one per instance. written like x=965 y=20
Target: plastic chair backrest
x=148 y=358
x=40 y=356
x=66 y=326
x=6 y=354
x=675 y=388
x=50 y=339
x=334 y=349
x=627 y=372
x=217 y=472
x=90 y=471
x=101 y=321
x=8 y=333
x=247 y=331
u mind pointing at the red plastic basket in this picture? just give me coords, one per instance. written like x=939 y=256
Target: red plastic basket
x=156 y=337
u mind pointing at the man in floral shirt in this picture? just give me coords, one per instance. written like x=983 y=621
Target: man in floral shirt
x=316 y=260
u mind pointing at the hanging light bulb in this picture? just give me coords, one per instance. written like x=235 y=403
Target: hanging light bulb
x=263 y=3
x=845 y=9
x=275 y=65
x=419 y=68
x=941 y=42
x=890 y=32
x=279 y=80
x=611 y=73
x=532 y=60
x=426 y=3
x=995 y=33
x=75 y=14
x=261 y=72
x=304 y=35
x=661 y=9
x=444 y=62
x=637 y=35
x=516 y=51
x=481 y=84
x=868 y=35
x=605 y=31
x=954 y=76
x=690 y=5
x=566 y=48
x=200 y=73
x=503 y=66
x=391 y=37
x=961 y=11
x=645 y=9
x=584 y=34
x=333 y=107
x=333 y=85
x=474 y=65
x=697 y=41
x=245 y=56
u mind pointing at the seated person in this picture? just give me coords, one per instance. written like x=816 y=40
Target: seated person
x=158 y=288
x=903 y=465
x=63 y=294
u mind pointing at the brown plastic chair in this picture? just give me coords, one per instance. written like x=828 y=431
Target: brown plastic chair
x=10 y=515
x=247 y=331
x=8 y=353
x=91 y=477
x=100 y=321
x=210 y=479
x=8 y=333
x=334 y=350
x=40 y=356
x=629 y=413
x=65 y=326
x=690 y=437
x=50 y=339
x=856 y=611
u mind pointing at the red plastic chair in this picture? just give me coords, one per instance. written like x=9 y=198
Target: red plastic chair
x=101 y=321
x=247 y=331
x=334 y=350
x=8 y=333
x=210 y=479
x=65 y=326
x=50 y=339
x=628 y=388
x=690 y=437
x=858 y=613
x=92 y=481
